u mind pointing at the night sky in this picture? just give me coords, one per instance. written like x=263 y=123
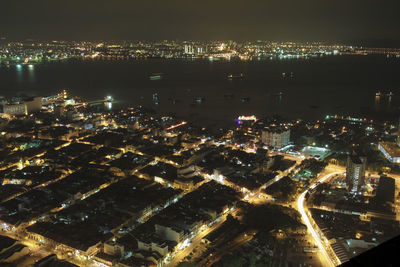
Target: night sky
x=321 y=20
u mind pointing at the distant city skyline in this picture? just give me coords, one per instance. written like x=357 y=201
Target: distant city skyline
x=373 y=42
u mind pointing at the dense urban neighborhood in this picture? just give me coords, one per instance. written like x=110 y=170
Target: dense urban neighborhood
x=87 y=185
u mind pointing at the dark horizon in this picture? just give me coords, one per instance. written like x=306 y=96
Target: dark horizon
x=358 y=22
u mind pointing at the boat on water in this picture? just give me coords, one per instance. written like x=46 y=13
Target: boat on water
x=199 y=99
x=378 y=93
x=234 y=77
x=286 y=75
x=390 y=94
x=156 y=76
x=245 y=99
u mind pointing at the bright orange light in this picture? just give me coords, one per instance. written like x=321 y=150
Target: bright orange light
x=247 y=118
x=176 y=125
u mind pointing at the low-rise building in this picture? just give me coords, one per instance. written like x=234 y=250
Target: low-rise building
x=23 y=107
x=169 y=233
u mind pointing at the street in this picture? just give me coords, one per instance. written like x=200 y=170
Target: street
x=329 y=257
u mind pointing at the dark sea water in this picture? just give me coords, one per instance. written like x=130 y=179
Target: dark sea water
x=320 y=86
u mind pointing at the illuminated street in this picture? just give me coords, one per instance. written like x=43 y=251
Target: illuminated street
x=328 y=255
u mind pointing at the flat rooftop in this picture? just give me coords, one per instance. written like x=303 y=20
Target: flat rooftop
x=319 y=152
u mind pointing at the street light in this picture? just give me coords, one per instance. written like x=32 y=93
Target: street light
x=305 y=217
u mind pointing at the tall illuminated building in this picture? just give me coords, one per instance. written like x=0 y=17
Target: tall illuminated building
x=276 y=137
x=355 y=173
x=189 y=50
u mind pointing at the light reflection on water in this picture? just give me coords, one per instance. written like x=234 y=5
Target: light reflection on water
x=108 y=105
x=331 y=85
x=31 y=73
x=19 y=73
x=25 y=73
